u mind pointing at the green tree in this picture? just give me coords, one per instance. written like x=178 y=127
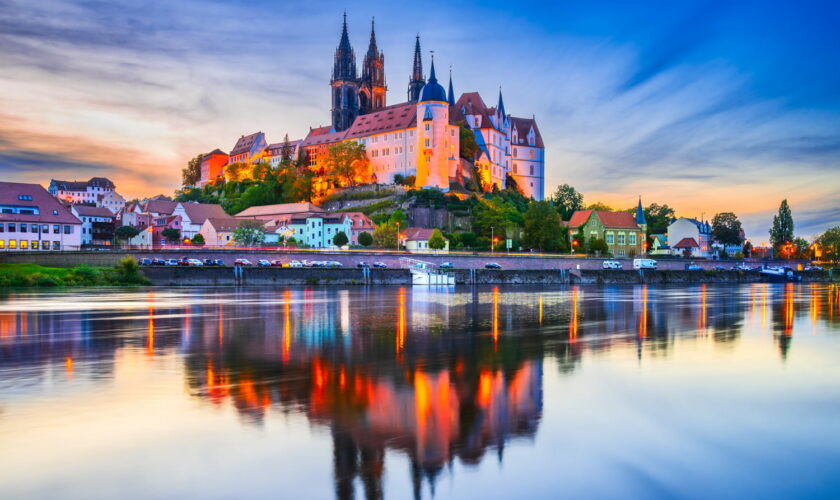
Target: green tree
x=579 y=241
x=191 y=174
x=828 y=244
x=782 y=231
x=726 y=228
x=603 y=207
x=801 y=248
x=286 y=151
x=567 y=200
x=347 y=162
x=197 y=240
x=385 y=235
x=365 y=239
x=125 y=233
x=249 y=233
x=467 y=147
x=542 y=227
x=436 y=240
x=658 y=217
x=171 y=234
x=399 y=179
x=598 y=246
x=340 y=239
x=398 y=216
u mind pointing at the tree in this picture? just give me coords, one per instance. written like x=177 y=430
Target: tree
x=399 y=179
x=125 y=233
x=801 y=248
x=598 y=246
x=542 y=226
x=746 y=251
x=385 y=235
x=197 y=240
x=436 y=240
x=782 y=231
x=365 y=239
x=249 y=233
x=567 y=201
x=286 y=150
x=398 y=216
x=603 y=207
x=347 y=163
x=828 y=245
x=726 y=228
x=658 y=217
x=340 y=239
x=467 y=147
x=191 y=174
x=171 y=234
x=579 y=241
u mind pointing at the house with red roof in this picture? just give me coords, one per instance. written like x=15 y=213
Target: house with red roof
x=623 y=232
x=416 y=240
x=32 y=219
x=359 y=223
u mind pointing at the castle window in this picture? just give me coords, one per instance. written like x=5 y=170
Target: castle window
x=428 y=127
x=515 y=152
x=532 y=154
x=428 y=143
x=532 y=170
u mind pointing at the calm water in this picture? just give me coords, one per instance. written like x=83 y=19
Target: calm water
x=574 y=392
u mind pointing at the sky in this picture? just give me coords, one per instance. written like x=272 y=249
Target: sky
x=705 y=106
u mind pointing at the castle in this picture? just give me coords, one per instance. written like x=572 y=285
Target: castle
x=419 y=138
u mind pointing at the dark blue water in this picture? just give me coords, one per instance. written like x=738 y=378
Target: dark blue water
x=497 y=392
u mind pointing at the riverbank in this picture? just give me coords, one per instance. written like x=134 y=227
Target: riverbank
x=34 y=275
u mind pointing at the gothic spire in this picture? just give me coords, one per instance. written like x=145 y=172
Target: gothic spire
x=373 y=51
x=640 y=213
x=451 y=90
x=501 y=106
x=417 y=74
x=432 y=78
x=345 y=59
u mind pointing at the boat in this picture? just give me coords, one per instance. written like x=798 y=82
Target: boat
x=426 y=273
x=779 y=275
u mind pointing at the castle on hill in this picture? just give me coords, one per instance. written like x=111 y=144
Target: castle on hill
x=417 y=138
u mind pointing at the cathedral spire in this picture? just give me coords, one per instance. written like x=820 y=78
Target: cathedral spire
x=345 y=58
x=432 y=78
x=451 y=90
x=373 y=51
x=416 y=81
x=501 y=106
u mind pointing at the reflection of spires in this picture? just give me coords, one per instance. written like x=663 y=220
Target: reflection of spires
x=416 y=479
x=373 y=464
x=344 y=463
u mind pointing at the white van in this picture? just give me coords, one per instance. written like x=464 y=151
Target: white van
x=644 y=264
x=612 y=264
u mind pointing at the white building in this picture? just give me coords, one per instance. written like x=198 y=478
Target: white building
x=193 y=215
x=316 y=231
x=685 y=228
x=98 y=191
x=97 y=224
x=32 y=219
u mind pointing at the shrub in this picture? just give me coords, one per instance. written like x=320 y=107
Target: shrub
x=365 y=239
x=340 y=239
x=197 y=240
x=128 y=271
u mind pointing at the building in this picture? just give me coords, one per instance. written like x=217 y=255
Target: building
x=659 y=245
x=98 y=225
x=686 y=247
x=623 y=233
x=416 y=239
x=32 y=219
x=193 y=215
x=685 y=228
x=98 y=191
x=359 y=223
x=219 y=231
x=280 y=211
x=212 y=167
x=280 y=151
x=314 y=230
x=248 y=149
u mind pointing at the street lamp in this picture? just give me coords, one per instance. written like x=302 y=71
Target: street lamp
x=492 y=240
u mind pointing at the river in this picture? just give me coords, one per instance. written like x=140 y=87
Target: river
x=398 y=392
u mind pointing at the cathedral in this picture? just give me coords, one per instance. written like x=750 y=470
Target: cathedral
x=420 y=137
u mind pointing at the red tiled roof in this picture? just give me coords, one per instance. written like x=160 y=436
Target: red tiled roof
x=395 y=117
x=269 y=211
x=200 y=212
x=89 y=211
x=687 y=243
x=314 y=139
x=49 y=208
x=473 y=104
x=523 y=127
x=163 y=207
x=418 y=234
x=225 y=223
x=356 y=217
x=245 y=143
x=618 y=220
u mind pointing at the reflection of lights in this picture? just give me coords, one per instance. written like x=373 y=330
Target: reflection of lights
x=643 y=318
x=401 y=321
x=287 y=325
x=541 y=309
x=789 y=309
x=150 y=334
x=701 y=320
x=221 y=324
x=573 y=322
x=815 y=304
x=68 y=366
x=764 y=306
x=495 y=318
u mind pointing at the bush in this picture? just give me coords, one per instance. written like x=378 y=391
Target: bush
x=365 y=239
x=128 y=271
x=340 y=239
x=197 y=240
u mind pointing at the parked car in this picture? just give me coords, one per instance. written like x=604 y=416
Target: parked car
x=693 y=267
x=380 y=265
x=145 y=262
x=720 y=268
x=183 y=261
x=194 y=263
x=334 y=263
x=362 y=264
x=492 y=265
x=220 y=262
x=209 y=262
x=644 y=264
x=172 y=262
x=242 y=262
x=814 y=268
x=158 y=262
x=611 y=264
x=278 y=263
x=295 y=263
x=263 y=263
x=446 y=265
x=741 y=267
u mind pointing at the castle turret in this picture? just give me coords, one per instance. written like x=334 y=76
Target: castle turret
x=345 y=86
x=372 y=88
x=435 y=140
x=416 y=82
x=640 y=216
x=451 y=90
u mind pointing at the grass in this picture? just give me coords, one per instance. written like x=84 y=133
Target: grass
x=34 y=275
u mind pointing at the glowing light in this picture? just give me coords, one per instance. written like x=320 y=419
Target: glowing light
x=495 y=318
x=643 y=317
x=68 y=367
x=573 y=322
x=541 y=310
x=150 y=333
x=401 y=321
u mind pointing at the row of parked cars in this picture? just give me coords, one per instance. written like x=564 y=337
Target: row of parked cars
x=183 y=261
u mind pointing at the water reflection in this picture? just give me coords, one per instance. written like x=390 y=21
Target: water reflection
x=436 y=376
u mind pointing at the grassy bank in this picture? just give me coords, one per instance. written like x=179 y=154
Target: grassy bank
x=127 y=272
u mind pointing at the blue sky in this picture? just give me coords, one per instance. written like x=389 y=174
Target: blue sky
x=706 y=106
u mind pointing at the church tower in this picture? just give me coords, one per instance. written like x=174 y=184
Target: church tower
x=345 y=85
x=372 y=86
x=416 y=82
